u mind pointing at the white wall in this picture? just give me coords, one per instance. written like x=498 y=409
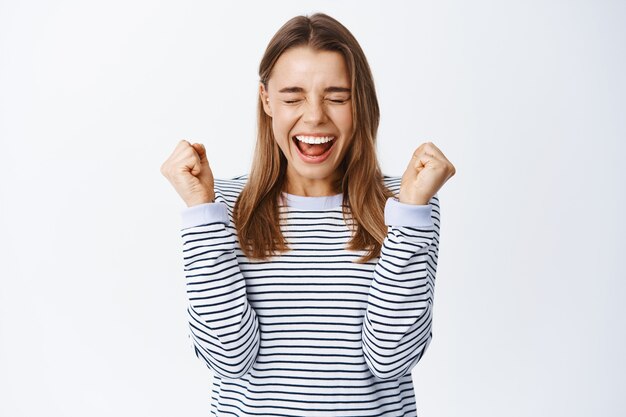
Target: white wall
x=525 y=98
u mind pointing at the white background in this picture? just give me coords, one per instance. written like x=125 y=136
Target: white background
x=526 y=99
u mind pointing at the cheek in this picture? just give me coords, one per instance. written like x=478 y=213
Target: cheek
x=283 y=123
x=343 y=118
x=281 y=135
x=281 y=120
x=280 y=130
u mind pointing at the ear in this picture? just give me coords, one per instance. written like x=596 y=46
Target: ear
x=265 y=100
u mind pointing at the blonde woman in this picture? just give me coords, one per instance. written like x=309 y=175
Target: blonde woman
x=310 y=280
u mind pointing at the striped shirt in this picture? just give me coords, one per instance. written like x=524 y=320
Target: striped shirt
x=309 y=332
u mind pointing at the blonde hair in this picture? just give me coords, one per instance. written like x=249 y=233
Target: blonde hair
x=256 y=213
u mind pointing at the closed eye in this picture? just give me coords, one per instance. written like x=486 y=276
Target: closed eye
x=334 y=101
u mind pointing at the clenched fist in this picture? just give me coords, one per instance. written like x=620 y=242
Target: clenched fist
x=428 y=170
x=188 y=170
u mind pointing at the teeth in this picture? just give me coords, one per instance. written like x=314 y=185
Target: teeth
x=314 y=140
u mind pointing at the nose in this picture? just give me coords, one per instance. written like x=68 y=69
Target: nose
x=314 y=112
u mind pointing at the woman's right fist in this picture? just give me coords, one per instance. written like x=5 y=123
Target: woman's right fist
x=187 y=169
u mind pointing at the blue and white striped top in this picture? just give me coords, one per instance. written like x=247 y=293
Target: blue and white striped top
x=309 y=333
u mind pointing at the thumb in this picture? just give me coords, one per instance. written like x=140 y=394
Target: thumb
x=205 y=173
x=417 y=164
x=201 y=151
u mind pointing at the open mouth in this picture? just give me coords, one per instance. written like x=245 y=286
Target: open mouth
x=313 y=147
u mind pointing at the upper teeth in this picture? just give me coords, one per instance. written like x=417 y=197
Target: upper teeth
x=313 y=139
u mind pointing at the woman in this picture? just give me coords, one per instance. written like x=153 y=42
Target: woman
x=310 y=281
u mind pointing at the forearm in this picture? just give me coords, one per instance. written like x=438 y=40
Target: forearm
x=223 y=325
x=398 y=319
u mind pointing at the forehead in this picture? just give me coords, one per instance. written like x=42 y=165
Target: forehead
x=310 y=69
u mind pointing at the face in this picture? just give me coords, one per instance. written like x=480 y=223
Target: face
x=308 y=97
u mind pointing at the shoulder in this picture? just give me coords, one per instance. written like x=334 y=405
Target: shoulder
x=227 y=190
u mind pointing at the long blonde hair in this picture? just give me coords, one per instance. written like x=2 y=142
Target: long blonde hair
x=256 y=213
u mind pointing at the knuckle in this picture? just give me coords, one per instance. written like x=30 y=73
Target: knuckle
x=188 y=152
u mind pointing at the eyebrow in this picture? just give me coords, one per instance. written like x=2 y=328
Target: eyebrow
x=326 y=90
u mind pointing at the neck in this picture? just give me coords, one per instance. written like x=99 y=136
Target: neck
x=312 y=187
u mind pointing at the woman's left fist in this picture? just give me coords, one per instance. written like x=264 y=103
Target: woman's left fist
x=428 y=170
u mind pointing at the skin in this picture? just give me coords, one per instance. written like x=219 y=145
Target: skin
x=425 y=174
x=311 y=111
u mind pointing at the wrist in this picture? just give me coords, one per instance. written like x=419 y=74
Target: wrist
x=203 y=200
x=421 y=201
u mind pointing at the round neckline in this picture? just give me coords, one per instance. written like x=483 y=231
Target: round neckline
x=324 y=202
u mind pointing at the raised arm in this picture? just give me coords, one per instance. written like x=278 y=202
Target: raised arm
x=223 y=326
x=398 y=320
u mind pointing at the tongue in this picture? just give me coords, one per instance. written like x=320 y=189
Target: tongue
x=314 y=150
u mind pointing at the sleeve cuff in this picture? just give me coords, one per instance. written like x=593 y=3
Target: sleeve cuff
x=203 y=214
x=403 y=214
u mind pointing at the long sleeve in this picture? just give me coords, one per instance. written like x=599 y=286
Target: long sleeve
x=223 y=326
x=398 y=320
